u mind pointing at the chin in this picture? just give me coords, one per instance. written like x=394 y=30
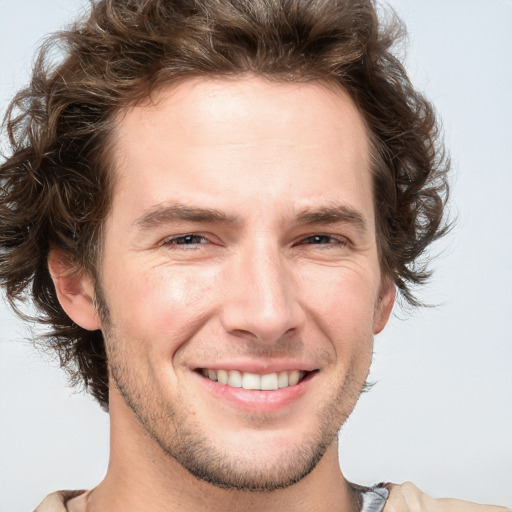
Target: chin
x=256 y=469
x=247 y=460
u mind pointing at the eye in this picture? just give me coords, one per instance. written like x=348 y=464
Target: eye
x=324 y=240
x=187 y=241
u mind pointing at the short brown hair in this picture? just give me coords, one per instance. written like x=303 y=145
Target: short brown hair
x=56 y=181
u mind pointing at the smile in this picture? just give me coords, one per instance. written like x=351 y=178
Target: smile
x=247 y=380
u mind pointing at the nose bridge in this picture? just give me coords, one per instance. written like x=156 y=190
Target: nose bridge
x=262 y=302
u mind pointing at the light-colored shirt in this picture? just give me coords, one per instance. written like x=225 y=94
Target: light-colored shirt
x=381 y=498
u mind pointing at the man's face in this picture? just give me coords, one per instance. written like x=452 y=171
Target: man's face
x=241 y=247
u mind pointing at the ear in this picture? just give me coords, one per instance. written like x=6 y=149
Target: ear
x=75 y=291
x=384 y=305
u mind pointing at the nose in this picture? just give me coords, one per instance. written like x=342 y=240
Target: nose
x=261 y=301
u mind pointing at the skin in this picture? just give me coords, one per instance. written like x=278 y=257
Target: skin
x=284 y=274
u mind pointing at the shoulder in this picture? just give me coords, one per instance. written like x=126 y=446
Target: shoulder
x=56 y=502
x=408 y=498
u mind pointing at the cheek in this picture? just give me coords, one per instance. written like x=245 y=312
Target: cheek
x=340 y=290
x=342 y=303
x=160 y=303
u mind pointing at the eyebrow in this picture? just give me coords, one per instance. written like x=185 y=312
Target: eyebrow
x=165 y=214
x=177 y=211
x=333 y=215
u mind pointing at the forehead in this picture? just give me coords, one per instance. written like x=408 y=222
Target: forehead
x=248 y=98
x=244 y=139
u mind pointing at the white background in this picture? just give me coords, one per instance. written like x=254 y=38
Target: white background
x=440 y=413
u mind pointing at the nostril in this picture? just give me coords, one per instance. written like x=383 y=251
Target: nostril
x=290 y=331
x=242 y=333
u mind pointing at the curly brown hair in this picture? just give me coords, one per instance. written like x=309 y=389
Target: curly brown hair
x=56 y=180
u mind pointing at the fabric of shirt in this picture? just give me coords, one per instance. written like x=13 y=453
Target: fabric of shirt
x=380 y=498
x=408 y=498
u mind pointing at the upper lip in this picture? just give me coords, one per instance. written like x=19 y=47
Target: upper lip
x=257 y=367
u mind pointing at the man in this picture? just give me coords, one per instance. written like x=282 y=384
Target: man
x=214 y=204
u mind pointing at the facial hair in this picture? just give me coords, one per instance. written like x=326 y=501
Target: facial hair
x=173 y=428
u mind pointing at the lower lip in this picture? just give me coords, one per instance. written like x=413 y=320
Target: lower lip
x=256 y=400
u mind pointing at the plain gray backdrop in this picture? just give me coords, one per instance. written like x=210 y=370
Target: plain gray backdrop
x=440 y=413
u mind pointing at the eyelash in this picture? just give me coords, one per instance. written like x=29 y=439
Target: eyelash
x=181 y=240
x=334 y=240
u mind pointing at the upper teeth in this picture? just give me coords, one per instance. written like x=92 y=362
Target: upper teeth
x=248 y=380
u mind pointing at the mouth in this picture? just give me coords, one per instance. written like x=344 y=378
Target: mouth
x=254 y=381
x=256 y=392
